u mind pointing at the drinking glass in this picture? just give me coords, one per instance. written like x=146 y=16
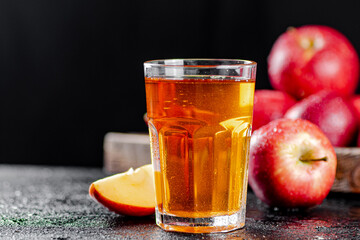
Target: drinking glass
x=200 y=116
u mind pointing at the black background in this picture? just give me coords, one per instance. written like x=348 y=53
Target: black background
x=71 y=71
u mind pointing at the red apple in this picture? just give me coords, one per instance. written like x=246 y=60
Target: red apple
x=130 y=193
x=270 y=105
x=292 y=164
x=331 y=113
x=354 y=101
x=311 y=58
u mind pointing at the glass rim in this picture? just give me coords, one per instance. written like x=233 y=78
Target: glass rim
x=228 y=64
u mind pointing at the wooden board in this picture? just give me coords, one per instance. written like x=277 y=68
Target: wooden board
x=123 y=151
x=348 y=170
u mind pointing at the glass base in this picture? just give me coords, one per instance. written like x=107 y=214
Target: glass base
x=214 y=224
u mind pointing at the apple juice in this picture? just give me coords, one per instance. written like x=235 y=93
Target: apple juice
x=200 y=131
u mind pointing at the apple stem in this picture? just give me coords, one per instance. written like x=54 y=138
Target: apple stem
x=314 y=159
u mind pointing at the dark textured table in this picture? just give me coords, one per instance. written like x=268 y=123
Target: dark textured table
x=38 y=202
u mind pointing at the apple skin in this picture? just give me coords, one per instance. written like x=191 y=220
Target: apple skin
x=354 y=101
x=277 y=175
x=120 y=208
x=331 y=113
x=270 y=105
x=308 y=59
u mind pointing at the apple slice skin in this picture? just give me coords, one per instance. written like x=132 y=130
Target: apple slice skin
x=281 y=180
x=119 y=208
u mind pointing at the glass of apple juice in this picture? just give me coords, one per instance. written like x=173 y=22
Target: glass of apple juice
x=200 y=116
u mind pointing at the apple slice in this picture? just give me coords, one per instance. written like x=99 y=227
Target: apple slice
x=130 y=193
